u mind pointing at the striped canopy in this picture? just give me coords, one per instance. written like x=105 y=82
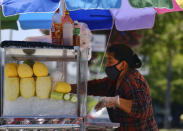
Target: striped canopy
x=126 y=17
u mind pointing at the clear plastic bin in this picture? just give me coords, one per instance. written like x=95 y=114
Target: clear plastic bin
x=69 y=61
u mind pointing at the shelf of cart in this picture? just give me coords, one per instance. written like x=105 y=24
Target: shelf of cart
x=98 y=125
x=43 y=53
x=41 y=126
x=32 y=44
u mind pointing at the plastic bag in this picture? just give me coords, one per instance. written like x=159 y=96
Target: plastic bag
x=85 y=40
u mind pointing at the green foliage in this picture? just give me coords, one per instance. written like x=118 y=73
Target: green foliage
x=158 y=46
x=91 y=103
x=96 y=61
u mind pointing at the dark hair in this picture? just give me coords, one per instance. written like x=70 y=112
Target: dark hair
x=123 y=52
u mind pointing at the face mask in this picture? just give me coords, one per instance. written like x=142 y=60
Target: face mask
x=112 y=72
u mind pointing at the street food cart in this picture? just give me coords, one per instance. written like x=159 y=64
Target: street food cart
x=35 y=113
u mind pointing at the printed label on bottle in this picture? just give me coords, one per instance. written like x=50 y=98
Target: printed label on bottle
x=76 y=31
x=53 y=37
x=57 y=29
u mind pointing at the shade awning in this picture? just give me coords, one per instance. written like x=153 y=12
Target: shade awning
x=13 y=7
x=151 y=3
x=176 y=7
x=92 y=4
x=9 y=22
x=95 y=19
x=36 y=20
x=129 y=18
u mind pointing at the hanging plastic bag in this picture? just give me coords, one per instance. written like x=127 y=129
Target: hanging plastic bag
x=85 y=40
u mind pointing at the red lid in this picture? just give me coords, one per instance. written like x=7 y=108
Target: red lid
x=57 y=11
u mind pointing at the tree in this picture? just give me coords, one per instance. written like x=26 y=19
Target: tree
x=161 y=47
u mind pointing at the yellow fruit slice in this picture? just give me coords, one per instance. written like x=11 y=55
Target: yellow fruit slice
x=43 y=87
x=25 y=71
x=27 y=87
x=11 y=88
x=62 y=87
x=11 y=70
x=40 y=69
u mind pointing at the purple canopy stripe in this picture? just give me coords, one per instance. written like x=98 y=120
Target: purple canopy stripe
x=129 y=18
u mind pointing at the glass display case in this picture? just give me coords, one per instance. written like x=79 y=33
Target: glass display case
x=68 y=65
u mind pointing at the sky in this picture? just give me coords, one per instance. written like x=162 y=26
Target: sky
x=19 y=34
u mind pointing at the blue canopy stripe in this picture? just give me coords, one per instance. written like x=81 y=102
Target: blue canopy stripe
x=92 y=4
x=36 y=20
x=95 y=19
x=12 y=7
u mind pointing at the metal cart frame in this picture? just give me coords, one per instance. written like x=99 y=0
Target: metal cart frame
x=49 y=54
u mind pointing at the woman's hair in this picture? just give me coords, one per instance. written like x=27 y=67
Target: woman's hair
x=123 y=52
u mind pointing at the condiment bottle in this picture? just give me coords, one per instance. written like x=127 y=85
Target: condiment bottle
x=76 y=35
x=67 y=29
x=57 y=25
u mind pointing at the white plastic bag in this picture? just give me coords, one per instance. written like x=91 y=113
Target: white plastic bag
x=85 y=40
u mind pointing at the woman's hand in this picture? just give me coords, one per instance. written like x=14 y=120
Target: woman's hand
x=107 y=102
x=123 y=104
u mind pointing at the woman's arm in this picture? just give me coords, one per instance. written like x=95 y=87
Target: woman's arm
x=137 y=101
x=97 y=87
x=100 y=87
x=138 y=108
x=125 y=105
x=74 y=88
x=140 y=104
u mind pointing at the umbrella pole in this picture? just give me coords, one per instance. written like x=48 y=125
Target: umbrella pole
x=108 y=40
